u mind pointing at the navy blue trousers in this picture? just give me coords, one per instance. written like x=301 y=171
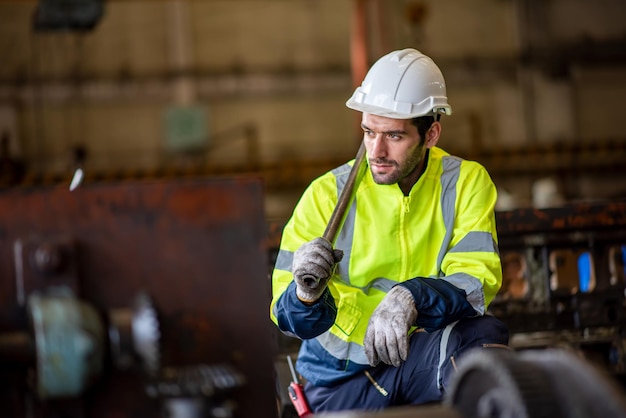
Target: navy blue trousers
x=421 y=379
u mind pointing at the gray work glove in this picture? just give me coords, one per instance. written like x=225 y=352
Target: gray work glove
x=386 y=337
x=313 y=264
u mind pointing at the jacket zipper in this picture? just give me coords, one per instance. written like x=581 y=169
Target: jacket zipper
x=406 y=202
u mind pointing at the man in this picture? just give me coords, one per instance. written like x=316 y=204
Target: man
x=415 y=265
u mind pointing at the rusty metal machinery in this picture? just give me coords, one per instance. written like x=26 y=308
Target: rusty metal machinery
x=564 y=280
x=135 y=299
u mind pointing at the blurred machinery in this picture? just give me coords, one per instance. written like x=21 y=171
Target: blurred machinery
x=564 y=280
x=135 y=299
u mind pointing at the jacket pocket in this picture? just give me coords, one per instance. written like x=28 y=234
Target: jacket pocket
x=348 y=314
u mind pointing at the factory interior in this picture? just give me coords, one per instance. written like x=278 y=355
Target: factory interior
x=153 y=150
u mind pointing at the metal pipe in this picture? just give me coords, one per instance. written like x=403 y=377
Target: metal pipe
x=347 y=195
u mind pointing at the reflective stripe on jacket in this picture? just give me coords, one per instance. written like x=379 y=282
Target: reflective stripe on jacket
x=444 y=229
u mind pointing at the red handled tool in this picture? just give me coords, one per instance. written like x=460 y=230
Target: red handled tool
x=296 y=393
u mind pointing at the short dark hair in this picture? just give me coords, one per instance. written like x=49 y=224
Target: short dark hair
x=423 y=124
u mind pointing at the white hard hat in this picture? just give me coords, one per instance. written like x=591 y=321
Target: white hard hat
x=403 y=84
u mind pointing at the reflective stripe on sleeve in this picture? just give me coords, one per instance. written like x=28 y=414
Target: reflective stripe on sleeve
x=476 y=241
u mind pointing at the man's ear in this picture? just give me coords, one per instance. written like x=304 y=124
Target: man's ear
x=432 y=135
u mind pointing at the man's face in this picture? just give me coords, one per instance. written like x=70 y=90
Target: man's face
x=394 y=149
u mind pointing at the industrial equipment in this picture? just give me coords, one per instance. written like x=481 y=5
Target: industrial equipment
x=564 y=280
x=135 y=299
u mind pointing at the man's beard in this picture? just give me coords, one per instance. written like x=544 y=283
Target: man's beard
x=400 y=172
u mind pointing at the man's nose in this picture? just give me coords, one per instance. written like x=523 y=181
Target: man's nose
x=379 y=147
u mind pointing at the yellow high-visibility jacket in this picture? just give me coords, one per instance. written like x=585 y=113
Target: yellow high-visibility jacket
x=439 y=241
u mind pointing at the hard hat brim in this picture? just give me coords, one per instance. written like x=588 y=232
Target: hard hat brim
x=381 y=111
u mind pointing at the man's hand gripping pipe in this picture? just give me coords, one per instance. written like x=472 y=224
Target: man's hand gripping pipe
x=346 y=198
